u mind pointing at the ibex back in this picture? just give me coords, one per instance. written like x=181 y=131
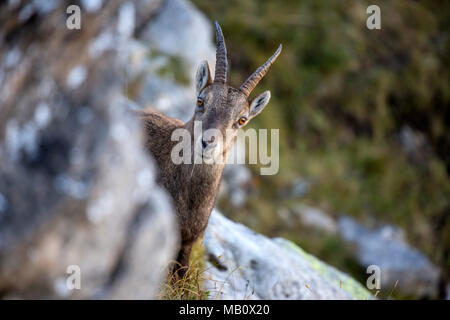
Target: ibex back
x=193 y=187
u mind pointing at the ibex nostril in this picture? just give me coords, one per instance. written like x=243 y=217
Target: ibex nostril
x=206 y=142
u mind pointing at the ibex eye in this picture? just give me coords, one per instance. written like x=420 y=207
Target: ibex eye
x=200 y=104
x=242 y=121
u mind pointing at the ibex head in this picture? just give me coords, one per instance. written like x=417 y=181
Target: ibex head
x=222 y=107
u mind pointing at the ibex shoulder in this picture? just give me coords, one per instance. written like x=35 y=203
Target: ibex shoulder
x=157 y=125
x=152 y=116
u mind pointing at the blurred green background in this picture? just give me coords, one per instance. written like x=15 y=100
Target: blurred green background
x=364 y=115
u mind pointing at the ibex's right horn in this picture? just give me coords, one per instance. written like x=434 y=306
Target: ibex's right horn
x=253 y=80
x=221 y=57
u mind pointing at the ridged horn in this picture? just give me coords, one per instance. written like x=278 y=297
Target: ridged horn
x=250 y=84
x=220 y=75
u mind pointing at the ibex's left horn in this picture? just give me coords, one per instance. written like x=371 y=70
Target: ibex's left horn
x=221 y=57
x=253 y=80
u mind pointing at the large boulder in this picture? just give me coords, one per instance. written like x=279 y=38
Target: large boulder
x=402 y=267
x=245 y=265
x=77 y=191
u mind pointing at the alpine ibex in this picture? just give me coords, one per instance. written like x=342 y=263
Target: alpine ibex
x=193 y=187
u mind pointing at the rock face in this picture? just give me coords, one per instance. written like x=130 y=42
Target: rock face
x=77 y=189
x=179 y=38
x=386 y=248
x=245 y=265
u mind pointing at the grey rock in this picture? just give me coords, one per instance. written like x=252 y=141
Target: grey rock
x=234 y=185
x=300 y=187
x=245 y=265
x=316 y=219
x=179 y=29
x=297 y=189
x=386 y=248
x=414 y=144
x=76 y=185
x=167 y=96
x=178 y=32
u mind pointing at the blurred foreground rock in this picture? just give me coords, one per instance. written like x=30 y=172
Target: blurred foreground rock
x=245 y=265
x=76 y=187
x=386 y=247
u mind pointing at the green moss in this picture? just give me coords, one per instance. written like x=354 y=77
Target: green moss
x=174 y=67
x=343 y=281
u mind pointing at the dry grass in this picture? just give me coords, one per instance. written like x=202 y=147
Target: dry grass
x=190 y=286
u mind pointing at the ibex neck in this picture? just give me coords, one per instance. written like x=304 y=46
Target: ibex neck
x=206 y=174
x=202 y=178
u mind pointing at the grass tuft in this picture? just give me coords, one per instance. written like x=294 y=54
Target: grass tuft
x=190 y=287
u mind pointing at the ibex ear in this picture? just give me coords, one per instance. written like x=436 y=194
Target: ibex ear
x=258 y=104
x=203 y=76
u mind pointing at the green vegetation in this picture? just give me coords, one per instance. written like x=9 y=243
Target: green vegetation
x=343 y=97
x=174 y=67
x=346 y=283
